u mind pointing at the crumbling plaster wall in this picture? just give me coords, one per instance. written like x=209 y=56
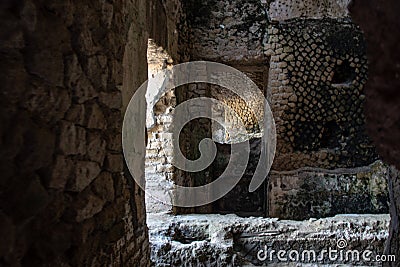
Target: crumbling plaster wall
x=318 y=71
x=309 y=60
x=165 y=48
x=229 y=32
x=317 y=75
x=65 y=200
x=159 y=150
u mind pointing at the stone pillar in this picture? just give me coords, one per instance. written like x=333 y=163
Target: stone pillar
x=318 y=71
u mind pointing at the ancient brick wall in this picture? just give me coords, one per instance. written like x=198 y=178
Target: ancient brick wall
x=159 y=152
x=229 y=32
x=318 y=71
x=165 y=48
x=64 y=198
x=317 y=75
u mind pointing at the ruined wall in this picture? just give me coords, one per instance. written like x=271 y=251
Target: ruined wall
x=317 y=75
x=247 y=111
x=167 y=28
x=318 y=71
x=229 y=240
x=159 y=152
x=309 y=60
x=229 y=32
x=309 y=192
x=64 y=198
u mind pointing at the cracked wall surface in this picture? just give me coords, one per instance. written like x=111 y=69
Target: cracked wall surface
x=318 y=71
x=68 y=71
x=309 y=60
x=317 y=77
x=229 y=240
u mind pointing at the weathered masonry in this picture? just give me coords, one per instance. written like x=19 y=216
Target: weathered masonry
x=69 y=69
x=310 y=63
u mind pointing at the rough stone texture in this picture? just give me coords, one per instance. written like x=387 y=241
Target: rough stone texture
x=314 y=193
x=159 y=151
x=239 y=200
x=215 y=240
x=159 y=119
x=227 y=31
x=167 y=33
x=190 y=137
x=64 y=201
x=318 y=70
x=317 y=73
x=231 y=32
x=281 y=10
x=246 y=112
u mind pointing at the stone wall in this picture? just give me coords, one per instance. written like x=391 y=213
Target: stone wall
x=159 y=152
x=165 y=48
x=228 y=240
x=281 y=10
x=310 y=61
x=65 y=200
x=316 y=193
x=247 y=111
x=318 y=71
x=227 y=31
x=230 y=32
x=317 y=74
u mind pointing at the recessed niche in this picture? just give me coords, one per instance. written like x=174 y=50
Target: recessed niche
x=343 y=74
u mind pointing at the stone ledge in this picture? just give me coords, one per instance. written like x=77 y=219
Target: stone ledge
x=229 y=240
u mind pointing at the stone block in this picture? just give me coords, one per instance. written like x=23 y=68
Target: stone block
x=76 y=80
x=95 y=117
x=103 y=186
x=96 y=147
x=88 y=206
x=112 y=100
x=62 y=172
x=72 y=139
x=114 y=162
x=85 y=173
x=76 y=114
